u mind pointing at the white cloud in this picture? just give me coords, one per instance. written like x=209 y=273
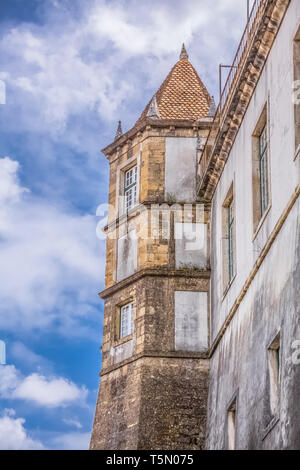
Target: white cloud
x=72 y=441
x=22 y=353
x=10 y=377
x=40 y=390
x=73 y=422
x=9 y=412
x=13 y=435
x=51 y=261
x=49 y=392
x=109 y=53
x=10 y=189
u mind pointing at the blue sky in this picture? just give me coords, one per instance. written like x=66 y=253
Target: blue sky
x=71 y=70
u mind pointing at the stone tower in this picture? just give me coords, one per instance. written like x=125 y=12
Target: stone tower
x=153 y=391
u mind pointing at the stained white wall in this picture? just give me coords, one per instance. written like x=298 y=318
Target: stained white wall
x=190 y=321
x=239 y=363
x=127 y=255
x=180 y=168
x=191 y=245
x=274 y=88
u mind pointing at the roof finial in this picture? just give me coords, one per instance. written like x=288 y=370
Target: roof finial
x=183 y=54
x=212 y=107
x=119 y=132
x=153 y=109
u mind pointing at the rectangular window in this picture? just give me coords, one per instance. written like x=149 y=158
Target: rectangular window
x=130 y=180
x=263 y=171
x=231 y=425
x=274 y=374
x=228 y=238
x=260 y=169
x=126 y=320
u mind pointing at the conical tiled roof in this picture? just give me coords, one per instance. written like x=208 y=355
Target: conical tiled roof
x=182 y=95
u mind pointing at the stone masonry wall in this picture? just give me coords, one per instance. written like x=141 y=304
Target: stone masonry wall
x=152 y=403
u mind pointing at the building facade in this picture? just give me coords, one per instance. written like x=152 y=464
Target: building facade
x=201 y=339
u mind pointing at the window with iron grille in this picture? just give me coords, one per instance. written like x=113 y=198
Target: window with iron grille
x=230 y=240
x=130 y=180
x=126 y=320
x=263 y=170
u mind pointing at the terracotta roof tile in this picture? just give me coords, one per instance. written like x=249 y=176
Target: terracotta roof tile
x=182 y=95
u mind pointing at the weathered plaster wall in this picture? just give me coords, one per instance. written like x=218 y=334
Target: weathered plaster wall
x=191 y=245
x=191 y=332
x=180 y=169
x=274 y=87
x=239 y=363
x=127 y=255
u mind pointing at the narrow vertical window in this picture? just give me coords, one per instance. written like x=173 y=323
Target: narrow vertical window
x=130 y=188
x=274 y=374
x=126 y=320
x=260 y=169
x=263 y=170
x=231 y=426
x=228 y=238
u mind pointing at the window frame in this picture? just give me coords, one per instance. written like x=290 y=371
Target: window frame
x=124 y=333
x=122 y=167
x=261 y=171
x=130 y=189
x=228 y=240
x=230 y=226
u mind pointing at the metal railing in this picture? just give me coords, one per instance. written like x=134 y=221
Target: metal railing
x=253 y=20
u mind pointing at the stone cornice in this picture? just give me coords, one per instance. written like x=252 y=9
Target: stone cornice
x=157 y=354
x=241 y=95
x=163 y=205
x=155 y=272
x=203 y=123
